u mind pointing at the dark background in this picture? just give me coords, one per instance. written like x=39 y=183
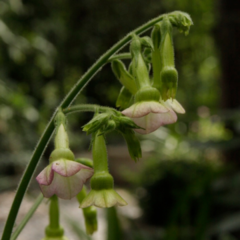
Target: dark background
x=45 y=47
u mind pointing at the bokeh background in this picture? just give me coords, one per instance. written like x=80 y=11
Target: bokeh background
x=187 y=186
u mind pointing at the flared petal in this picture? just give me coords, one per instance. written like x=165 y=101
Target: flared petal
x=67 y=168
x=150 y=123
x=141 y=109
x=45 y=177
x=153 y=121
x=169 y=117
x=175 y=105
x=103 y=199
x=66 y=187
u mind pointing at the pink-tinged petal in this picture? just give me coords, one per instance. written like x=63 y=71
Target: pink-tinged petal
x=175 y=105
x=45 y=177
x=67 y=168
x=66 y=187
x=169 y=117
x=150 y=123
x=143 y=108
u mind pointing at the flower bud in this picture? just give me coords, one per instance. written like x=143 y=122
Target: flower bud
x=139 y=68
x=96 y=123
x=147 y=55
x=181 y=20
x=134 y=147
x=89 y=213
x=169 y=82
x=124 y=99
x=124 y=76
x=146 y=42
x=109 y=127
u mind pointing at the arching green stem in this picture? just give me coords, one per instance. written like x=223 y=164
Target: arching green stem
x=120 y=56
x=41 y=145
x=88 y=108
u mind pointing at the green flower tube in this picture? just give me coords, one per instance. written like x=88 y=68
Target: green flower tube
x=102 y=194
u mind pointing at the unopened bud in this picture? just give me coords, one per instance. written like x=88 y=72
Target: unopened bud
x=124 y=76
x=169 y=82
x=96 y=123
x=156 y=36
x=181 y=20
x=124 y=99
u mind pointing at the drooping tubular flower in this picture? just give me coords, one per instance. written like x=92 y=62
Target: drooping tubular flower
x=165 y=75
x=63 y=176
x=102 y=194
x=148 y=113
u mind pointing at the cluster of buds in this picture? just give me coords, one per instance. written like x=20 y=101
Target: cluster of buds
x=151 y=103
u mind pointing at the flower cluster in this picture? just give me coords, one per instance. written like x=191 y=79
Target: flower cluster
x=151 y=104
x=146 y=104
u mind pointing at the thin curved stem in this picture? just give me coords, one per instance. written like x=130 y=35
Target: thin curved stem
x=120 y=56
x=27 y=217
x=87 y=108
x=43 y=141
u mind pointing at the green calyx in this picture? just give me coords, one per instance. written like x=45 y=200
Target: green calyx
x=147 y=94
x=169 y=82
x=61 y=153
x=54 y=232
x=166 y=46
x=102 y=180
x=60 y=118
x=139 y=67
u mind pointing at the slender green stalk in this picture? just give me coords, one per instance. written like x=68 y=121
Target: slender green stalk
x=99 y=154
x=120 y=56
x=41 y=145
x=27 y=217
x=87 y=108
x=54 y=213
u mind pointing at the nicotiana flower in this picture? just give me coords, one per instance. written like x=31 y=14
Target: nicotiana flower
x=102 y=194
x=63 y=177
x=105 y=198
x=150 y=115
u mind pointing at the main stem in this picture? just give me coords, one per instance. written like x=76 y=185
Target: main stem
x=42 y=144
